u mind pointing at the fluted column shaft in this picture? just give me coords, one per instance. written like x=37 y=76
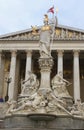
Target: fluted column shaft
x=60 y=61
x=17 y=77
x=28 y=63
x=12 y=75
x=1 y=89
x=76 y=76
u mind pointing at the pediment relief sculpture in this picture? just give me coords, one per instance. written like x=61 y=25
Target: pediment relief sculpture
x=60 y=33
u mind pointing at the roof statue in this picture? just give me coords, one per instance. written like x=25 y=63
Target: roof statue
x=34 y=30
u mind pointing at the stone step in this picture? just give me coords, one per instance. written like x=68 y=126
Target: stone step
x=1 y=124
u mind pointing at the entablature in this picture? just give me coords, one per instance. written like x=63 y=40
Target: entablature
x=34 y=45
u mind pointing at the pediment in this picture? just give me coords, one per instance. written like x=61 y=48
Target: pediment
x=61 y=33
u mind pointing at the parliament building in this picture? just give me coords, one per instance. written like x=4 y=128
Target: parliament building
x=19 y=53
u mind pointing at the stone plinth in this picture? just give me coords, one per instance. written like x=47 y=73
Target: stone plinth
x=1 y=124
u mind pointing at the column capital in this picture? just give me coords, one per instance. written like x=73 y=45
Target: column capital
x=13 y=52
x=28 y=52
x=60 y=52
x=76 y=52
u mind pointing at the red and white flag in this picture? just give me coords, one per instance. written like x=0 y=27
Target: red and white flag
x=51 y=10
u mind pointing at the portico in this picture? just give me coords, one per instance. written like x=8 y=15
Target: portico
x=29 y=65
x=19 y=53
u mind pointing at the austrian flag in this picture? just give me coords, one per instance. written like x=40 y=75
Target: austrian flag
x=51 y=10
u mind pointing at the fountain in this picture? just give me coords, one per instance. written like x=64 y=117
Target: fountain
x=44 y=105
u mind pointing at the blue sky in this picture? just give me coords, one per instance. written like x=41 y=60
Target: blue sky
x=16 y=15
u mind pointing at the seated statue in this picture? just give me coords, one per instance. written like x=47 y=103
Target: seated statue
x=30 y=84
x=59 y=86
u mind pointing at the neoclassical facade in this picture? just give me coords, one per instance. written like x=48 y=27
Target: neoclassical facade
x=19 y=53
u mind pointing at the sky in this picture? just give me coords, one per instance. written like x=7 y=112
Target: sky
x=17 y=15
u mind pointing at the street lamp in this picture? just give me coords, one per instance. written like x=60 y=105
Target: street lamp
x=8 y=81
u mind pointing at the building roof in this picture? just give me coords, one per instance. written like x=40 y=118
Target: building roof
x=61 y=32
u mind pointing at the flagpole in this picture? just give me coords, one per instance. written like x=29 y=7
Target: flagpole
x=56 y=16
x=53 y=13
x=51 y=10
x=56 y=11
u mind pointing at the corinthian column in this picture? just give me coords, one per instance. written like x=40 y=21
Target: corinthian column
x=12 y=75
x=28 y=63
x=0 y=74
x=60 y=61
x=76 y=76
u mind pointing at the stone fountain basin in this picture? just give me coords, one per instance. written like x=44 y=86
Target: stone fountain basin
x=40 y=117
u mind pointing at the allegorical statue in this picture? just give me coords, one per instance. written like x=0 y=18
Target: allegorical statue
x=30 y=84
x=59 y=85
x=34 y=30
x=46 y=37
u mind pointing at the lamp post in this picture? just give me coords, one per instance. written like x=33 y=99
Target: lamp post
x=8 y=81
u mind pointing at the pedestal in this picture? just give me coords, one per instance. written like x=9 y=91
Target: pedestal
x=46 y=66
